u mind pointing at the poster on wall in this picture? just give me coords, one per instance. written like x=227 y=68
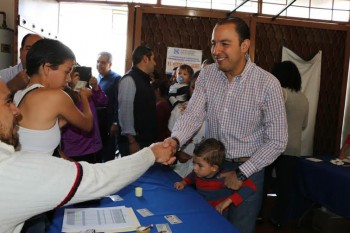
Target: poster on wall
x=178 y=56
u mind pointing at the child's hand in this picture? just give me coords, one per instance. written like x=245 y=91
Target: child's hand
x=179 y=185
x=223 y=205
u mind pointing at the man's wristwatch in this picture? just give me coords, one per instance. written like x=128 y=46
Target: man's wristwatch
x=177 y=143
x=240 y=175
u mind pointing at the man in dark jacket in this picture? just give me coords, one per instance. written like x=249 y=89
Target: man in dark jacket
x=137 y=104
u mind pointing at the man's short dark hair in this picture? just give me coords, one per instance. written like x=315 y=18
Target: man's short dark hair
x=25 y=38
x=139 y=52
x=241 y=27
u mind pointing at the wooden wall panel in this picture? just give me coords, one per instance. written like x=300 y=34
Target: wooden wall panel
x=160 y=31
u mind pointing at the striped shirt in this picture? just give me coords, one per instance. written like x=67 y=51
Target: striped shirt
x=214 y=190
x=247 y=114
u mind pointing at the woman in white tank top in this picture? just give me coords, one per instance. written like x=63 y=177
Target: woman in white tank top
x=43 y=104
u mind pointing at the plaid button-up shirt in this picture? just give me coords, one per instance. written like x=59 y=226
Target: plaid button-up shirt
x=247 y=114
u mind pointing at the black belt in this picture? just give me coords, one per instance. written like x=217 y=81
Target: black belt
x=238 y=160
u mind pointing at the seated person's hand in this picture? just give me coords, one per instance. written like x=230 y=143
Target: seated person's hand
x=342 y=156
x=179 y=185
x=163 y=153
x=223 y=205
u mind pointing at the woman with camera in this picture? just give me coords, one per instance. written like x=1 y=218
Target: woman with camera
x=43 y=104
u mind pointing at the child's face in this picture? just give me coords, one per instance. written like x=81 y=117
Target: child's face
x=183 y=73
x=202 y=168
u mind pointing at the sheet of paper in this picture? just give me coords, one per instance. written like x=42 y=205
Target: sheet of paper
x=115 y=197
x=314 y=159
x=163 y=228
x=106 y=219
x=145 y=212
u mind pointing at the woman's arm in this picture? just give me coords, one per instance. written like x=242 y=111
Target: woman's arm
x=66 y=108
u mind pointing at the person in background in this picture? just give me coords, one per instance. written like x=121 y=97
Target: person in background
x=209 y=162
x=16 y=77
x=207 y=61
x=50 y=182
x=137 y=104
x=243 y=107
x=108 y=116
x=178 y=92
x=154 y=76
x=77 y=144
x=163 y=108
x=297 y=109
x=172 y=78
x=184 y=164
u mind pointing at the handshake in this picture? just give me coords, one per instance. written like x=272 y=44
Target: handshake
x=164 y=152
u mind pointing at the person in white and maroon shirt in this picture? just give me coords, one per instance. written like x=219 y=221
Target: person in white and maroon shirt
x=33 y=183
x=243 y=107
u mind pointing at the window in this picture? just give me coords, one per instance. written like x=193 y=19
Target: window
x=96 y=28
x=333 y=10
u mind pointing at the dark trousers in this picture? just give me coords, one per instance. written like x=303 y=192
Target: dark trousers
x=283 y=184
x=108 y=150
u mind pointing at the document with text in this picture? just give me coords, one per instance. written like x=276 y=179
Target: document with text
x=104 y=219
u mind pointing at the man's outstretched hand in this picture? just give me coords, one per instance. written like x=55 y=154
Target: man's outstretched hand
x=163 y=152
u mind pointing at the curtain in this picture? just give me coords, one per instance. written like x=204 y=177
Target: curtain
x=346 y=123
x=310 y=72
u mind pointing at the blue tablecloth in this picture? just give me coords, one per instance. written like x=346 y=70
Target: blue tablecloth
x=325 y=184
x=161 y=198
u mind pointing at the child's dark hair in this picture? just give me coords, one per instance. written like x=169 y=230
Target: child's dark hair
x=187 y=68
x=211 y=150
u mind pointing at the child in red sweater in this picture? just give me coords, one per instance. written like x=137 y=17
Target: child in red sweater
x=208 y=163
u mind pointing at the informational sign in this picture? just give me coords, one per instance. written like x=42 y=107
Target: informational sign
x=179 y=56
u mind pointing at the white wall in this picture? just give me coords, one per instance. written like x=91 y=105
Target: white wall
x=8 y=6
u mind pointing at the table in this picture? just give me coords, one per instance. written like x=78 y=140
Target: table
x=325 y=184
x=161 y=198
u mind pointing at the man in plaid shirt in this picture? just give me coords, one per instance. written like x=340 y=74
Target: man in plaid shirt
x=243 y=107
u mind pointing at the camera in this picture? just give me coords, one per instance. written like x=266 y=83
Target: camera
x=84 y=73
